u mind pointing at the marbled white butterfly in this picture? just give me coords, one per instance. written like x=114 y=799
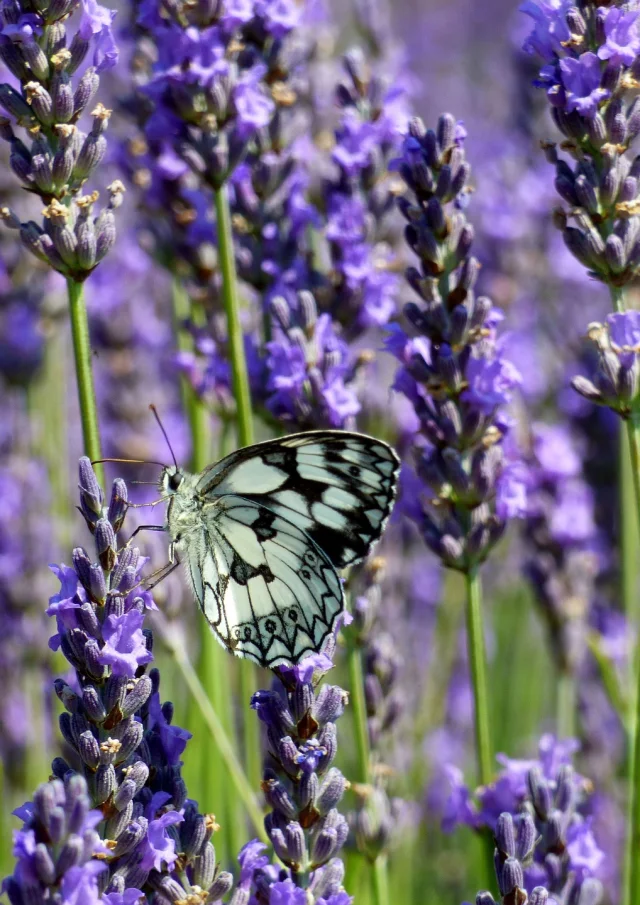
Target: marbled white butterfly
x=262 y=532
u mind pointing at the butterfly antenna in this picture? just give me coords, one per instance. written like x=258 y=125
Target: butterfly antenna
x=130 y=462
x=164 y=433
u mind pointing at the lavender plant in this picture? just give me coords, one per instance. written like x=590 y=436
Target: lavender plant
x=115 y=820
x=301 y=787
x=591 y=56
x=457 y=379
x=60 y=158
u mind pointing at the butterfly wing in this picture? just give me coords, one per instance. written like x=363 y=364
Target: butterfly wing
x=266 y=588
x=337 y=486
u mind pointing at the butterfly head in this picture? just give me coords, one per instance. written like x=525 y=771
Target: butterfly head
x=171 y=480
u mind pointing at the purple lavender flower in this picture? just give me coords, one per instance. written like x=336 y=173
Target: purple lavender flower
x=61 y=158
x=581 y=80
x=454 y=372
x=617 y=381
x=590 y=66
x=539 y=804
x=301 y=787
x=622 y=43
x=128 y=780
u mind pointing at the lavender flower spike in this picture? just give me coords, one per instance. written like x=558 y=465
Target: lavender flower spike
x=301 y=787
x=119 y=824
x=591 y=61
x=59 y=158
x=453 y=371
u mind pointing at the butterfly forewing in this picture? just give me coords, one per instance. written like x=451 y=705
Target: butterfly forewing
x=336 y=486
x=268 y=591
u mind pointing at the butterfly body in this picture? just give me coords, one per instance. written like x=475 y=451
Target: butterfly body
x=262 y=532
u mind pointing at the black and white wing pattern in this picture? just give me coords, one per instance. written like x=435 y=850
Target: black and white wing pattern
x=337 y=487
x=266 y=588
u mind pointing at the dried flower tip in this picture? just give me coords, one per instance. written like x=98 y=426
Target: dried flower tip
x=628 y=208
x=85 y=202
x=56 y=212
x=101 y=112
x=65 y=130
x=61 y=59
x=211 y=823
x=32 y=90
x=283 y=94
x=116 y=190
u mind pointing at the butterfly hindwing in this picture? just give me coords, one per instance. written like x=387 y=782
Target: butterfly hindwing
x=338 y=487
x=266 y=588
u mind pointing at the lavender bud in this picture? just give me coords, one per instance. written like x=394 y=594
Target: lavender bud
x=78 y=51
x=105 y=783
x=510 y=877
x=505 y=835
x=633 y=119
x=106 y=544
x=71 y=854
x=117 y=824
x=137 y=697
x=129 y=838
x=539 y=896
x=91 y=497
x=222 y=884
x=44 y=866
x=93 y=704
x=117 y=504
x=16 y=106
x=105 y=234
x=87 y=87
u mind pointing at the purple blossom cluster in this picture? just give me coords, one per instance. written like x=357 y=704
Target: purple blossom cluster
x=115 y=823
x=562 y=542
x=300 y=785
x=589 y=54
x=376 y=819
x=547 y=801
x=55 y=88
x=453 y=368
x=358 y=196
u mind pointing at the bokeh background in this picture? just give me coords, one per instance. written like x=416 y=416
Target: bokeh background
x=458 y=56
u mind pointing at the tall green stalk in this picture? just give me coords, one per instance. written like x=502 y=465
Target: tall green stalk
x=84 y=374
x=566 y=704
x=357 y=700
x=244 y=419
x=359 y=712
x=629 y=483
x=631 y=887
x=204 y=768
x=478 y=666
x=239 y=779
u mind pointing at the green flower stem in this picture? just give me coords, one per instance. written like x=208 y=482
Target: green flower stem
x=380 y=881
x=478 y=665
x=379 y=874
x=84 y=375
x=631 y=887
x=205 y=767
x=566 y=705
x=629 y=496
x=244 y=420
x=231 y=301
x=359 y=712
x=215 y=726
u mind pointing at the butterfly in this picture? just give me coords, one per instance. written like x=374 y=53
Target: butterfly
x=262 y=532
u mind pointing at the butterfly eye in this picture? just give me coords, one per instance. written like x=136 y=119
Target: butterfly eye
x=175 y=480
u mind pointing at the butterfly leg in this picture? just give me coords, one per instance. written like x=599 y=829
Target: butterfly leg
x=161 y=573
x=144 y=528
